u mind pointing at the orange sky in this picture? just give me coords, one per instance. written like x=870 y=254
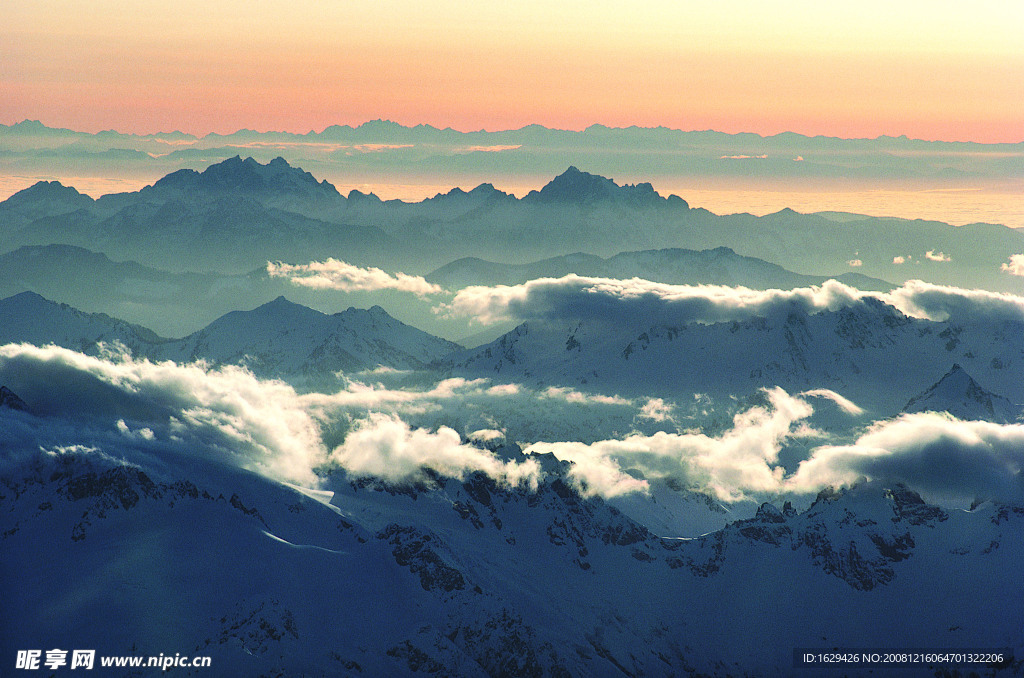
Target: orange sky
x=929 y=69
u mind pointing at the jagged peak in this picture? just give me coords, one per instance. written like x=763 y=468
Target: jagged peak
x=48 y=191
x=961 y=396
x=574 y=186
x=279 y=302
x=27 y=297
x=247 y=175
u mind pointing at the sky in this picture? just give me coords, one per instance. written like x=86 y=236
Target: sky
x=930 y=69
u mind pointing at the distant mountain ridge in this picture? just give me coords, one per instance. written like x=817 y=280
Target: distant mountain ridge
x=583 y=188
x=274 y=180
x=236 y=215
x=719 y=266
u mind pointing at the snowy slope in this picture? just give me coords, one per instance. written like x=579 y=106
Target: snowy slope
x=278 y=339
x=285 y=339
x=28 y=317
x=162 y=553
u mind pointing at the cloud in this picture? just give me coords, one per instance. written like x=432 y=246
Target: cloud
x=380 y=148
x=1016 y=265
x=656 y=409
x=641 y=302
x=617 y=301
x=225 y=414
x=744 y=157
x=855 y=263
x=942 y=302
x=339 y=275
x=570 y=395
x=845 y=404
x=384 y=446
x=932 y=255
x=744 y=459
x=937 y=455
x=945 y=459
x=899 y=260
x=487 y=435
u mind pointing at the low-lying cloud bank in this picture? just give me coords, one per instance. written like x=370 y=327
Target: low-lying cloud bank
x=940 y=456
x=742 y=460
x=615 y=301
x=121 y=407
x=333 y=274
x=384 y=446
x=943 y=458
x=225 y=414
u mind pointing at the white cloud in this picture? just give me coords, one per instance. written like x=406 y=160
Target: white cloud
x=1016 y=265
x=617 y=301
x=845 y=404
x=899 y=260
x=496 y=148
x=384 y=446
x=571 y=395
x=224 y=413
x=339 y=275
x=487 y=435
x=636 y=301
x=855 y=263
x=230 y=416
x=744 y=459
x=942 y=457
x=932 y=255
x=656 y=409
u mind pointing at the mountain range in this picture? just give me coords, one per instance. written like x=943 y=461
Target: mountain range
x=238 y=214
x=719 y=266
x=470 y=578
x=850 y=351
x=378 y=148
x=279 y=339
x=178 y=303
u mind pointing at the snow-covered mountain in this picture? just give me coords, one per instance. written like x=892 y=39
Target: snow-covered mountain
x=872 y=354
x=281 y=338
x=957 y=393
x=469 y=578
x=278 y=339
x=28 y=317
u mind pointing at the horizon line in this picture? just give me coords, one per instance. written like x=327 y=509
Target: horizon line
x=429 y=126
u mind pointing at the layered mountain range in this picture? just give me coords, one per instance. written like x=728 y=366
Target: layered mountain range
x=235 y=215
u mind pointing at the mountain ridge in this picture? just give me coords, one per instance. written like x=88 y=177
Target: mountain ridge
x=277 y=339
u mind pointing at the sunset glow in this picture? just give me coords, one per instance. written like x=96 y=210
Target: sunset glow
x=947 y=71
